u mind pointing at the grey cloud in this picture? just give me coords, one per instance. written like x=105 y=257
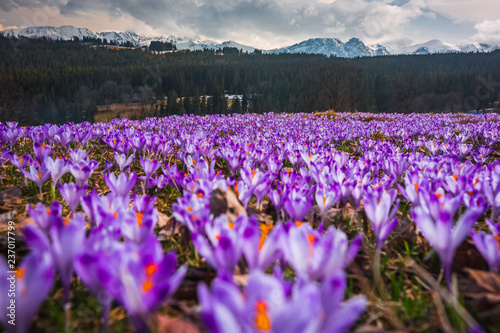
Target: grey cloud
x=291 y=19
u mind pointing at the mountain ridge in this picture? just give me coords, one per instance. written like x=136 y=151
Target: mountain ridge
x=353 y=48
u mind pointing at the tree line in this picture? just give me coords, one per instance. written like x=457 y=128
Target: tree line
x=62 y=81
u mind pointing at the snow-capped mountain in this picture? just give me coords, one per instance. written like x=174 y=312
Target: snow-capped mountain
x=69 y=32
x=356 y=48
x=66 y=32
x=437 y=46
x=326 y=46
x=334 y=47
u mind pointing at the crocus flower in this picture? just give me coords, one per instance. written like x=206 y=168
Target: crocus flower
x=33 y=280
x=67 y=239
x=95 y=262
x=150 y=166
x=123 y=161
x=12 y=136
x=380 y=210
x=72 y=194
x=137 y=226
x=222 y=247
x=489 y=245
x=144 y=279
x=314 y=255
x=45 y=217
x=442 y=235
x=108 y=165
x=82 y=171
x=57 y=168
x=261 y=244
x=326 y=197
x=121 y=185
x=37 y=176
x=298 y=202
x=78 y=155
x=267 y=306
x=21 y=162
x=41 y=150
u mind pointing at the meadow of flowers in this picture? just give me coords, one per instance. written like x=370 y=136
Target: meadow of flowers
x=254 y=223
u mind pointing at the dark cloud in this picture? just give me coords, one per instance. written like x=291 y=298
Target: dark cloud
x=246 y=20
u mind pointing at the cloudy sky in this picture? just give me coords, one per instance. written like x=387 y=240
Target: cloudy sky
x=270 y=23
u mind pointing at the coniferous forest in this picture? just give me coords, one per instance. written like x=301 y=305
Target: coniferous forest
x=57 y=82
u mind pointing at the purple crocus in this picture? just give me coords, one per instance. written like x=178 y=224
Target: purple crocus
x=143 y=279
x=326 y=197
x=37 y=176
x=121 y=185
x=268 y=305
x=78 y=155
x=440 y=232
x=150 y=166
x=41 y=150
x=44 y=217
x=298 y=201
x=67 y=237
x=57 y=168
x=82 y=171
x=222 y=247
x=489 y=245
x=72 y=194
x=316 y=256
x=95 y=262
x=33 y=281
x=123 y=161
x=380 y=208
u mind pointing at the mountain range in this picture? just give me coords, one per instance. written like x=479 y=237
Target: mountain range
x=326 y=46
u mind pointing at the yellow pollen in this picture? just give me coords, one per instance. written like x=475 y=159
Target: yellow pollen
x=298 y=223
x=231 y=225
x=190 y=209
x=455 y=177
x=115 y=215
x=416 y=187
x=66 y=222
x=48 y=211
x=324 y=201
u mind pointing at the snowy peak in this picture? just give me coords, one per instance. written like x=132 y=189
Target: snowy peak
x=334 y=47
x=65 y=32
x=70 y=32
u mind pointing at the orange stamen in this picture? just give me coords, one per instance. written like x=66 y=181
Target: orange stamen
x=21 y=272
x=262 y=320
x=150 y=269
x=139 y=218
x=265 y=231
x=147 y=286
